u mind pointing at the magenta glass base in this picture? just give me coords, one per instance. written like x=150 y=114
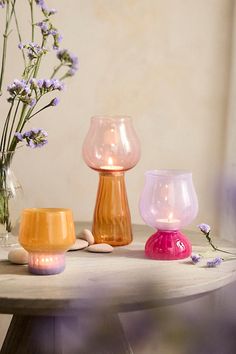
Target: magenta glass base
x=168 y=245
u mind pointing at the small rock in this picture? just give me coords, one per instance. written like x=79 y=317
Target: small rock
x=78 y=245
x=18 y=256
x=100 y=248
x=86 y=235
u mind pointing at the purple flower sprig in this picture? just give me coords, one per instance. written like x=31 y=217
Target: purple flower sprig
x=46 y=11
x=212 y=263
x=29 y=93
x=195 y=258
x=34 y=50
x=47 y=29
x=54 y=102
x=35 y=138
x=206 y=229
x=24 y=93
x=69 y=60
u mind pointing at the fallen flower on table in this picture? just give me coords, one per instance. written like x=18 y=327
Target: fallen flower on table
x=195 y=258
x=206 y=229
x=212 y=263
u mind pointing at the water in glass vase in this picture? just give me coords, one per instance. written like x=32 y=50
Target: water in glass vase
x=11 y=197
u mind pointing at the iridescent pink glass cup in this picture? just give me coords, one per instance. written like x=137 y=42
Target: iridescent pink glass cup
x=168 y=203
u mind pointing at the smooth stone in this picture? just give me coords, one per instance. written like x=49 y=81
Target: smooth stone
x=78 y=245
x=87 y=236
x=18 y=256
x=100 y=248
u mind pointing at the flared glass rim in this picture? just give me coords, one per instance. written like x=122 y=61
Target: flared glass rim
x=168 y=173
x=111 y=117
x=46 y=210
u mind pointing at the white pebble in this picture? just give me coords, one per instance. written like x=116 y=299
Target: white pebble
x=18 y=256
x=100 y=248
x=78 y=245
x=86 y=235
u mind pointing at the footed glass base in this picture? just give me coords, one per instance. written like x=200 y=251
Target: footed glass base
x=168 y=245
x=111 y=220
x=46 y=263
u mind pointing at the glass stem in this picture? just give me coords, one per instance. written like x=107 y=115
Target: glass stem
x=112 y=221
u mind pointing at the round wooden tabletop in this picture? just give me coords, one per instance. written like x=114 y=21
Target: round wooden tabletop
x=124 y=280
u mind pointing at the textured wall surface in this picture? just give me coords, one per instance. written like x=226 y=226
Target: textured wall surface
x=165 y=63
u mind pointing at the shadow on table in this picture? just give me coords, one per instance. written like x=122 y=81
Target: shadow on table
x=139 y=254
x=8 y=268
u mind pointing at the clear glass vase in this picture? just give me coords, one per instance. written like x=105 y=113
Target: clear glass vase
x=11 y=198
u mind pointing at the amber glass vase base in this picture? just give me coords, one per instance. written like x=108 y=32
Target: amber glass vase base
x=112 y=221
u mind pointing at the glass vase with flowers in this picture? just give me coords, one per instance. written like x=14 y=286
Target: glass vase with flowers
x=27 y=95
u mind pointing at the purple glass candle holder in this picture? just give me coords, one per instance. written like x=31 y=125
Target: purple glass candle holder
x=168 y=203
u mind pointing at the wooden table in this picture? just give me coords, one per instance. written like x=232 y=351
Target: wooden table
x=53 y=314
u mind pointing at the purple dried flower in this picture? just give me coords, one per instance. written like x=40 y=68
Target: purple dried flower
x=34 y=83
x=71 y=72
x=40 y=2
x=43 y=26
x=214 y=262
x=20 y=45
x=40 y=83
x=195 y=258
x=35 y=138
x=204 y=228
x=19 y=88
x=18 y=136
x=55 y=101
x=57 y=40
x=47 y=83
x=32 y=102
x=34 y=50
x=22 y=91
x=52 y=12
x=2 y=3
x=53 y=32
x=68 y=59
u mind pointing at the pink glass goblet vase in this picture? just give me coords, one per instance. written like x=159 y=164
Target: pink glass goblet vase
x=168 y=203
x=111 y=147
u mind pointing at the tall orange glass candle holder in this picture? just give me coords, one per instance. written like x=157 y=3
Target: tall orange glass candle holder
x=111 y=147
x=46 y=233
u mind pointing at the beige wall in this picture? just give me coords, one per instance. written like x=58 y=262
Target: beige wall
x=164 y=62
x=228 y=209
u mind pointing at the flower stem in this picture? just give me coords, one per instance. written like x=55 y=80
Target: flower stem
x=32 y=19
x=14 y=140
x=5 y=128
x=214 y=247
x=40 y=110
x=5 y=37
x=56 y=70
x=37 y=65
x=19 y=35
x=12 y=125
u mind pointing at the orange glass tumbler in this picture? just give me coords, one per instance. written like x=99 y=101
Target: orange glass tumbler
x=46 y=233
